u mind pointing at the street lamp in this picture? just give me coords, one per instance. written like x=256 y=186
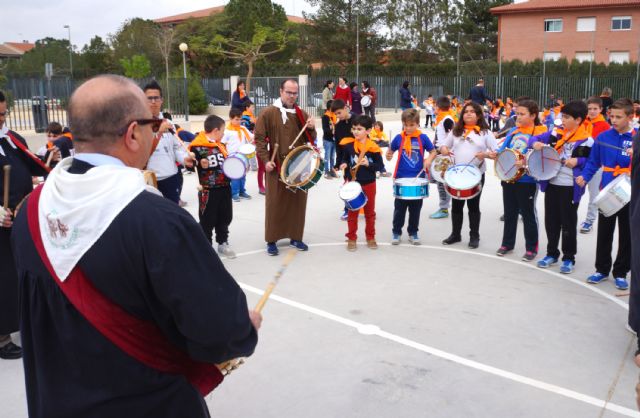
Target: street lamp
x=70 y=51
x=184 y=48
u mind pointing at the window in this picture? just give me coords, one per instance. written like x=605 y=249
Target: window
x=553 y=25
x=621 y=23
x=552 y=56
x=618 y=57
x=586 y=24
x=584 y=56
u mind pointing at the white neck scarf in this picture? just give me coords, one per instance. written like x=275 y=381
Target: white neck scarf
x=283 y=110
x=76 y=209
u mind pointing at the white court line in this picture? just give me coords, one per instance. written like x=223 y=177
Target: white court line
x=548 y=387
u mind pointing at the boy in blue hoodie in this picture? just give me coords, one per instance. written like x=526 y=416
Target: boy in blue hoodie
x=612 y=151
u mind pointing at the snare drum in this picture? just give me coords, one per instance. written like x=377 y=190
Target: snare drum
x=365 y=101
x=544 y=164
x=439 y=166
x=411 y=188
x=463 y=181
x=505 y=166
x=614 y=196
x=302 y=169
x=235 y=166
x=352 y=195
x=248 y=150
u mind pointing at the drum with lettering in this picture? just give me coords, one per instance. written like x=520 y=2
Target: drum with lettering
x=352 y=195
x=614 y=196
x=463 y=181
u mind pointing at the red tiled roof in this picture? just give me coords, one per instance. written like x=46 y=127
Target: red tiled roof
x=21 y=46
x=540 y=5
x=198 y=14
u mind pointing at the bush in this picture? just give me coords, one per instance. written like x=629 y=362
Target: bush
x=197 y=100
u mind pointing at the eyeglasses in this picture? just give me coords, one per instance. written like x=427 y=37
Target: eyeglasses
x=155 y=125
x=5 y=113
x=291 y=93
x=154 y=98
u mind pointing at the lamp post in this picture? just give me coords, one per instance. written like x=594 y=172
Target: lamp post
x=184 y=48
x=68 y=28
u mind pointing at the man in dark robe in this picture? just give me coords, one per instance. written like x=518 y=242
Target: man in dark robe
x=285 y=208
x=126 y=309
x=24 y=165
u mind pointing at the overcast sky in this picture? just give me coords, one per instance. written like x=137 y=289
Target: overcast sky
x=37 y=19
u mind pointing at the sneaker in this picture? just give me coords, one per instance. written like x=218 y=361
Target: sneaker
x=547 y=262
x=395 y=240
x=502 y=251
x=262 y=191
x=272 y=248
x=372 y=244
x=621 y=283
x=351 y=245
x=245 y=195
x=439 y=214
x=226 y=251
x=567 y=267
x=414 y=239
x=10 y=351
x=344 y=216
x=596 y=278
x=301 y=246
x=451 y=239
x=529 y=256
x=235 y=198
x=474 y=242
x=586 y=227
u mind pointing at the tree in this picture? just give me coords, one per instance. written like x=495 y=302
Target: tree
x=137 y=36
x=55 y=51
x=136 y=67
x=97 y=56
x=164 y=39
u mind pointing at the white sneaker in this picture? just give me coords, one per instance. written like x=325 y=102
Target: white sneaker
x=225 y=250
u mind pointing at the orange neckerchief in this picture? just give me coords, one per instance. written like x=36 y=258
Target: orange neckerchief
x=368 y=146
x=347 y=140
x=201 y=140
x=546 y=113
x=593 y=121
x=242 y=94
x=532 y=130
x=443 y=113
x=470 y=128
x=240 y=130
x=49 y=144
x=582 y=132
x=406 y=140
x=68 y=135
x=332 y=117
x=249 y=113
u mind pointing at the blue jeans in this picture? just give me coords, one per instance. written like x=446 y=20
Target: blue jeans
x=329 y=155
x=237 y=186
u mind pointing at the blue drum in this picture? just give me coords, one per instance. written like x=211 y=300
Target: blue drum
x=353 y=196
x=411 y=188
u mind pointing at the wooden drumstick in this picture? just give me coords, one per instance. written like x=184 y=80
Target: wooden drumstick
x=267 y=292
x=304 y=128
x=7 y=174
x=275 y=151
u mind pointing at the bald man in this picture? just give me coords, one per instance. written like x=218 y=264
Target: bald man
x=116 y=322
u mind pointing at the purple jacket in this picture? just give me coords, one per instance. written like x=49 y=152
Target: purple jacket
x=580 y=151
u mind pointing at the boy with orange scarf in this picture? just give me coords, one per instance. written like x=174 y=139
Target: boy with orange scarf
x=597 y=125
x=562 y=193
x=364 y=157
x=214 y=192
x=234 y=137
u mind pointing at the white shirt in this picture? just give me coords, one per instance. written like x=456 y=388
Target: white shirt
x=465 y=149
x=441 y=134
x=234 y=139
x=565 y=175
x=164 y=158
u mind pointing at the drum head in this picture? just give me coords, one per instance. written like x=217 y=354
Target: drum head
x=439 y=166
x=506 y=165
x=234 y=167
x=247 y=149
x=365 y=101
x=543 y=164
x=301 y=163
x=350 y=190
x=462 y=176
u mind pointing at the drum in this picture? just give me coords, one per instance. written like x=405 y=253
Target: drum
x=439 y=166
x=544 y=164
x=302 y=169
x=411 y=188
x=505 y=166
x=248 y=150
x=614 y=196
x=365 y=101
x=150 y=178
x=235 y=166
x=352 y=195
x=462 y=181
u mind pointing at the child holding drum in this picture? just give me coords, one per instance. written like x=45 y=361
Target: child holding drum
x=612 y=151
x=561 y=193
x=411 y=145
x=214 y=195
x=235 y=137
x=360 y=161
x=471 y=141
x=445 y=120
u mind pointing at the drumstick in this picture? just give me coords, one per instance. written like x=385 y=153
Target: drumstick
x=275 y=151
x=304 y=128
x=466 y=166
x=267 y=292
x=420 y=172
x=7 y=174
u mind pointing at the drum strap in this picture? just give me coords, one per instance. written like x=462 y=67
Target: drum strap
x=140 y=339
x=302 y=122
x=617 y=170
x=28 y=153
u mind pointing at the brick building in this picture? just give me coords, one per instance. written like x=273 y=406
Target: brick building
x=608 y=30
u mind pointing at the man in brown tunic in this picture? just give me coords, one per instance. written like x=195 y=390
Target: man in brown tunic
x=285 y=209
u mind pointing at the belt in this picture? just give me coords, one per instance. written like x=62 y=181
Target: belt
x=617 y=170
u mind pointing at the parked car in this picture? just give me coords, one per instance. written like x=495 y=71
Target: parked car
x=315 y=100
x=215 y=101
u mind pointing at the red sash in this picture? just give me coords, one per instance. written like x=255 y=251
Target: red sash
x=138 y=338
x=302 y=121
x=27 y=152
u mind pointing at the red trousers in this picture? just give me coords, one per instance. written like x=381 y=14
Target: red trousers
x=369 y=215
x=261 y=173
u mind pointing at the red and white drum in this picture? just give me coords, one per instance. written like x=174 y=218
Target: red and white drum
x=463 y=181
